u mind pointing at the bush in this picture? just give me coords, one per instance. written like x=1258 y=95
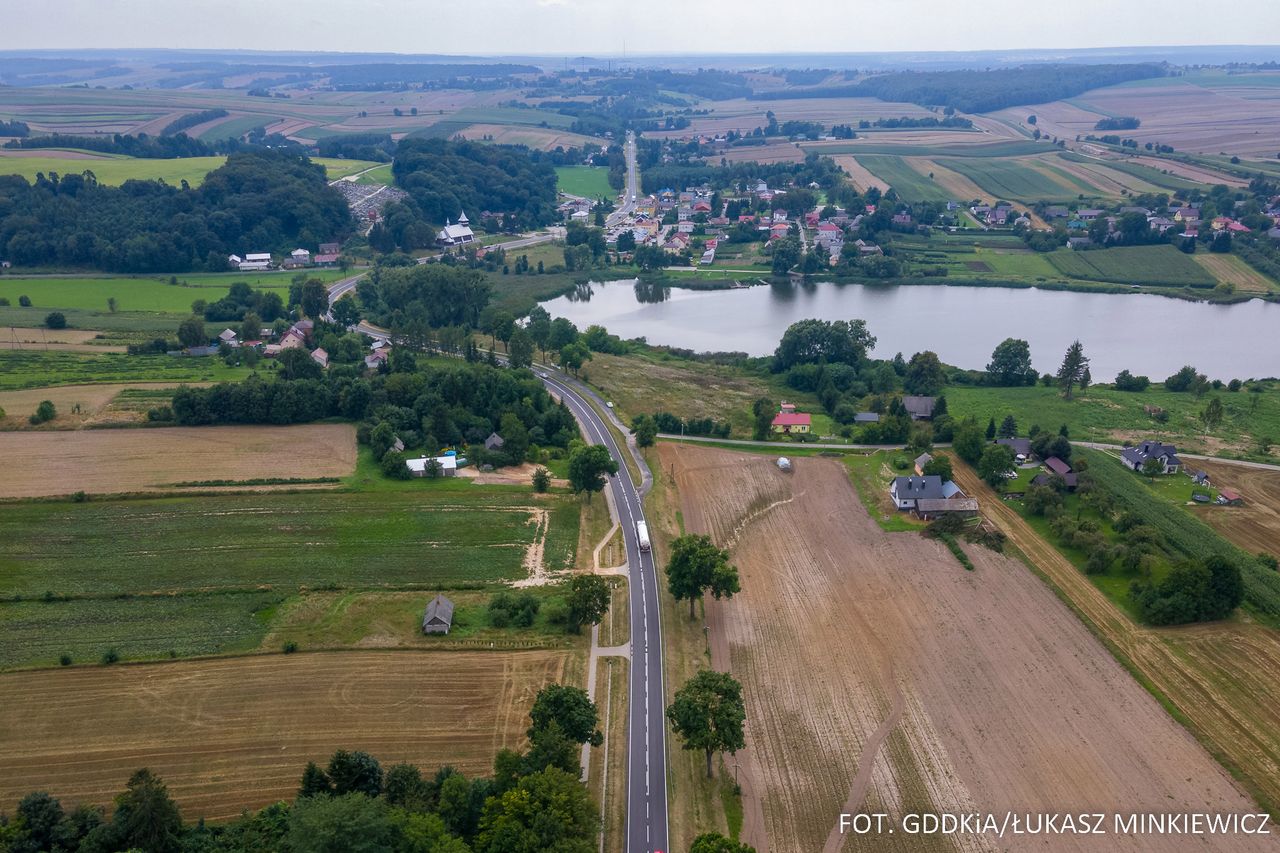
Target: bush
x=1126 y=381
x=55 y=320
x=44 y=412
x=289 y=647
x=24 y=301
x=508 y=609
x=110 y=656
x=65 y=660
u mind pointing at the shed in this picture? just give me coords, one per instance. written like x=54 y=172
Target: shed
x=866 y=418
x=1057 y=466
x=439 y=616
x=1230 y=498
x=934 y=507
x=922 y=460
x=919 y=408
x=494 y=442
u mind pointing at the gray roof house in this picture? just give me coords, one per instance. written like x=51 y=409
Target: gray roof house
x=439 y=616
x=866 y=418
x=905 y=491
x=922 y=460
x=1136 y=457
x=920 y=408
x=1019 y=446
x=494 y=442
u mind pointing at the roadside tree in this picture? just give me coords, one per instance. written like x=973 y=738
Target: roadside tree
x=588 y=467
x=708 y=714
x=698 y=566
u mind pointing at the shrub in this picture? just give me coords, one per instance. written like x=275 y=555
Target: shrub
x=507 y=609
x=44 y=412
x=65 y=660
x=110 y=656
x=289 y=647
x=55 y=320
x=24 y=301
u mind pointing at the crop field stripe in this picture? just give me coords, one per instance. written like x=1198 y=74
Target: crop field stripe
x=1133 y=265
x=899 y=174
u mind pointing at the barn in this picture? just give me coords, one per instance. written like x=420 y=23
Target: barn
x=439 y=616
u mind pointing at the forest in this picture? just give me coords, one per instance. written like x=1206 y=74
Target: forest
x=169 y=145
x=260 y=200
x=974 y=91
x=445 y=178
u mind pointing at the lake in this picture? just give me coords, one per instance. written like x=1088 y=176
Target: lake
x=1147 y=334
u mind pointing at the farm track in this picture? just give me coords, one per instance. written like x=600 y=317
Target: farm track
x=965 y=691
x=1223 y=678
x=235 y=733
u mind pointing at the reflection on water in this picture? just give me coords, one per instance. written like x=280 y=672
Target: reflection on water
x=1146 y=334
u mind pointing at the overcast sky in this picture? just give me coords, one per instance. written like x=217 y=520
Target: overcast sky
x=600 y=27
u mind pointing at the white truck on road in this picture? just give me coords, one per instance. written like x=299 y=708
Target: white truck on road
x=642 y=535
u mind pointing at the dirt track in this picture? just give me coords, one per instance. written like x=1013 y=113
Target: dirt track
x=235 y=733
x=880 y=675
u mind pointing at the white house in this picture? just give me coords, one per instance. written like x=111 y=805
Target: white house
x=255 y=262
x=448 y=466
x=456 y=233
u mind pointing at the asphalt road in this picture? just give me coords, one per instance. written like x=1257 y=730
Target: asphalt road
x=646 y=829
x=632 y=190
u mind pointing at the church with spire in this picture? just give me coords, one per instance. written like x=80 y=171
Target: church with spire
x=456 y=233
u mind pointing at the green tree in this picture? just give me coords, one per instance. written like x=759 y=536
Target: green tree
x=939 y=465
x=404 y=785
x=345 y=312
x=762 y=411
x=812 y=341
x=250 y=327
x=588 y=600
x=714 y=842
x=355 y=772
x=588 y=467
x=996 y=461
x=539 y=328
x=297 y=363
x=1009 y=427
x=1212 y=415
x=645 y=429
x=314 y=781
x=967 y=440
x=541 y=480
x=924 y=374
x=145 y=817
x=560 y=334
x=191 y=332
x=698 y=566
x=991 y=429
x=1011 y=364
x=112 y=304
x=38 y=817
x=571 y=709
x=574 y=355
x=55 y=320
x=1152 y=467
x=520 y=348
x=549 y=810
x=351 y=823
x=315 y=298
x=708 y=714
x=426 y=833
x=1074 y=370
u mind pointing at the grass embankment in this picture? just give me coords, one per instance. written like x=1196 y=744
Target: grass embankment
x=1105 y=415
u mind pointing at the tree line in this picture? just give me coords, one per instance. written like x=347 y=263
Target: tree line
x=259 y=200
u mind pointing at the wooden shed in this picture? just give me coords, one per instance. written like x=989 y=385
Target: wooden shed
x=439 y=616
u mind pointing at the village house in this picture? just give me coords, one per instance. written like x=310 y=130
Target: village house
x=446 y=466
x=1136 y=457
x=438 y=618
x=320 y=357
x=919 y=408
x=293 y=338
x=906 y=491
x=791 y=423
x=253 y=262
x=866 y=418
x=494 y=442
x=228 y=337
x=1021 y=447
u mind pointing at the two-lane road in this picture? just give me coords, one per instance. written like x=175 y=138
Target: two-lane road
x=646 y=830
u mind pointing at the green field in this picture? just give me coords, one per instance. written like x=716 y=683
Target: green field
x=1152 y=176
x=910 y=184
x=208 y=575
x=236 y=126
x=115 y=170
x=1017 y=181
x=1106 y=415
x=585 y=181
x=32 y=368
x=143 y=294
x=1152 y=265
x=381 y=176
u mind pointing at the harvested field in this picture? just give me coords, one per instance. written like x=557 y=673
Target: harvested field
x=543 y=139
x=1199 y=174
x=234 y=734
x=882 y=676
x=1231 y=269
x=955 y=184
x=1108 y=182
x=859 y=175
x=98 y=404
x=745 y=116
x=774 y=152
x=57 y=463
x=1223 y=678
x=1255 y=527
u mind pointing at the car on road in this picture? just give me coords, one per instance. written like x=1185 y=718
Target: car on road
x=609 y=404
x=544 y=375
